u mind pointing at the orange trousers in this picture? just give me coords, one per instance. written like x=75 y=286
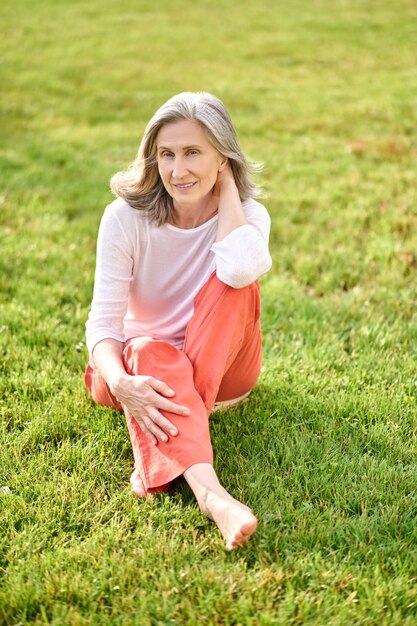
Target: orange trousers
x=220 y=360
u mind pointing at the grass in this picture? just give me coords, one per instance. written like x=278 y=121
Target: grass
x=325 y=452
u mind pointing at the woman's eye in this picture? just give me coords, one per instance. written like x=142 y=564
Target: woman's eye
x=166 y=154
x=192 y=152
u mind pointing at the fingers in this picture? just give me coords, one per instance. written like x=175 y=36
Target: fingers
x=171 y=407
x=160 y=387
x=151 y=430
x=150 y=398
x=156 y=427
x=160 y=403
x=143 y=421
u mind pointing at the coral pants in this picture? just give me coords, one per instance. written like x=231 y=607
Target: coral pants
x=220 y=360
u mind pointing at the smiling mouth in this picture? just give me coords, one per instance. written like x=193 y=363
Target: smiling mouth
x=184 y=185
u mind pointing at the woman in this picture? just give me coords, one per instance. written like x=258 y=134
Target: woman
x=174 y=321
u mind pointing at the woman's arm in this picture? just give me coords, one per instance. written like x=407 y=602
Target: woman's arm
x=231 y=213
x=143 y=396
x=241 y=247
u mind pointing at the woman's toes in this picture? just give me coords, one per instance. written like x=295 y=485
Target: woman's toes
x=137 y=484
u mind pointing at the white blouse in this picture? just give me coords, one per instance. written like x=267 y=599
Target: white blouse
x=147 y=276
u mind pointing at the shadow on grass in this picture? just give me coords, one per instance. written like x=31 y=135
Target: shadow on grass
x=304 y=464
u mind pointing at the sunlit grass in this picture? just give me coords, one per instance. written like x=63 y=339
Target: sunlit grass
x=324 y=451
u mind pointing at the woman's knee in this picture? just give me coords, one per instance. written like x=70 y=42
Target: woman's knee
x=145 y=355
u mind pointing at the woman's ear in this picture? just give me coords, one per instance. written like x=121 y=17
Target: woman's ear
x=222 y=163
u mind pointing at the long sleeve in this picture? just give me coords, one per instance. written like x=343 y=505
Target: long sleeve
x=243 y=255
x=114 y=268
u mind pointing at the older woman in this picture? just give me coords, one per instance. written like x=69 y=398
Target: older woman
x=174 y=327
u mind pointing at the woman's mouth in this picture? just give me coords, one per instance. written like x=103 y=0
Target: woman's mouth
x=183 y=185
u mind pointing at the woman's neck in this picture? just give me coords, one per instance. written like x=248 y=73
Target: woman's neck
x=191 y=216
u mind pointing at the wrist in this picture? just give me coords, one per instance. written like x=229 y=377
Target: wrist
x=229 y=186
x=229 y=196
x=117 y=382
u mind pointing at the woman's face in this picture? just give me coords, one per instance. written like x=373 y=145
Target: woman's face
x=188 y=164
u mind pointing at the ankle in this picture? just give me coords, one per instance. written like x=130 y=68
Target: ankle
x=204 y=483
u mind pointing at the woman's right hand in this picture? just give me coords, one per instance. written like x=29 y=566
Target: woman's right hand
x=144 y=397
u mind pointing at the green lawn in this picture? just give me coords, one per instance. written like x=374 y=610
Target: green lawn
x=325 y=93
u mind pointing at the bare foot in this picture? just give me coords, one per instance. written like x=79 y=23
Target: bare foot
x=138 y=487
x=235 y=520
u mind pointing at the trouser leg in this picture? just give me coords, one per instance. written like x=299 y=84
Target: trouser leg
x=99 y=390
x=221 y=359
x=159 y=465
x=223 y=341
x=162 y=463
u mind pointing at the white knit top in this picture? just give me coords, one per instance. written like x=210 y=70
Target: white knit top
x=147 y=276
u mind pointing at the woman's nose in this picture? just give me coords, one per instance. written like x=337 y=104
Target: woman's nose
x=179 y=169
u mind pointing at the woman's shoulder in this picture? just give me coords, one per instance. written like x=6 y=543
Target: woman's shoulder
x=119 y=211
x=121 y=222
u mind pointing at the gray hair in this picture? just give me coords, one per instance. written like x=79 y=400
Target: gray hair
x=141 y=185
